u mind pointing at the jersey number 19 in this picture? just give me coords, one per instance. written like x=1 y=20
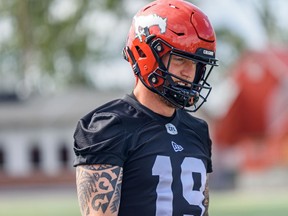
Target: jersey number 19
x=163 y=168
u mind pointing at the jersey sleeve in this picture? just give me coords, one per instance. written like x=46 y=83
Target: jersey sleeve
x=208 y=142
x=99 y=139
x=209 y=165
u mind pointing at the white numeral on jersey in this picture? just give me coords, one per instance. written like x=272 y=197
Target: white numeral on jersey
x=162 y=168
x=189 y=166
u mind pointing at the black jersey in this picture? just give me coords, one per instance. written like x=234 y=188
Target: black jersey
x=164 y=160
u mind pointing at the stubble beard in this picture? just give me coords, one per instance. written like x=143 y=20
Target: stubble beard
x=166 y=102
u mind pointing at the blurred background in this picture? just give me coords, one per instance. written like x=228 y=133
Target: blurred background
x=59 y=59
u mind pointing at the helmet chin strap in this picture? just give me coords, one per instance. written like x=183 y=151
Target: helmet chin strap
x=182 y=95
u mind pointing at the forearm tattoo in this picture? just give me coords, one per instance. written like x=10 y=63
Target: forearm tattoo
x=206 y=199
x=99 y=189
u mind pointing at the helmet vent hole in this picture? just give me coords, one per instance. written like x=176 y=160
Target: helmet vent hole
x=178 y=33
x=140 y=52
x=173 y=6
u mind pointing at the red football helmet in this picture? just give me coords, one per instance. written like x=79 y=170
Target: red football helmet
x=173 y=27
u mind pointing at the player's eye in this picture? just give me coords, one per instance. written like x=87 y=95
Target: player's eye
x=178 y=60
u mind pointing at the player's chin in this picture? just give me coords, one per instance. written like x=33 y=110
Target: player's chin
x=171 y=105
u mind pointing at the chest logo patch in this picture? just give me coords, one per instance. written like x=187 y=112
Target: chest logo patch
x=171 y=129
x=177 y=147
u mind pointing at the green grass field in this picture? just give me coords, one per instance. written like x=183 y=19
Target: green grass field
x=235 y=203
x=264 y=203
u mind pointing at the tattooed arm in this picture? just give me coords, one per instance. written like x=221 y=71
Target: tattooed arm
x=99 y=189
x=206 y=197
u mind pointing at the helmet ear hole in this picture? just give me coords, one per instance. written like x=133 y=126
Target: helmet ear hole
x=140 y=52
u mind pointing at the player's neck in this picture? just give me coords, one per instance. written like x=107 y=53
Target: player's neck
x=152 y=101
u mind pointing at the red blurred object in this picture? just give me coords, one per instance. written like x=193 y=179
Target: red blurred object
x=258 y=117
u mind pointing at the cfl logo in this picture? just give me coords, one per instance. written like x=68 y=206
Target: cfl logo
x=171 y=129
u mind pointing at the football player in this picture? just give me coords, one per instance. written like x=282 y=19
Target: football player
x=144 y=154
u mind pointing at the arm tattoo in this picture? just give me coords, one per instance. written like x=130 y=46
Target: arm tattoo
x=206 y=199
x=99 y=188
